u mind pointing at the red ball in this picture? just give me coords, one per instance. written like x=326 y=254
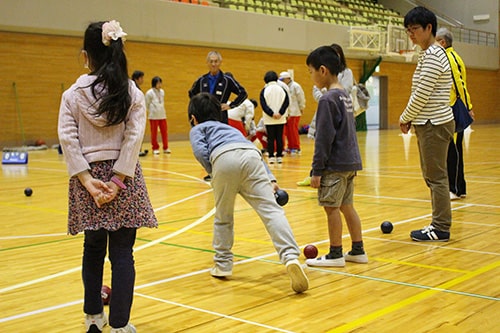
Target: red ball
x=105 y=294
x=39 y=142
x=310 y=251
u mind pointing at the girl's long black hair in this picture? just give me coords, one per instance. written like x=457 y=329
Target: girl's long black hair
x=109 y=64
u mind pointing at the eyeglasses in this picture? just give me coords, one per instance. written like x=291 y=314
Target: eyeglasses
x=411 y=30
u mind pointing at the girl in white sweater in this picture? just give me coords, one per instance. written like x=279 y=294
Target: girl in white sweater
x=101 y=124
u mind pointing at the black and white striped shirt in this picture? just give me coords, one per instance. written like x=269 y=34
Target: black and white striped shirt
x=430 y=91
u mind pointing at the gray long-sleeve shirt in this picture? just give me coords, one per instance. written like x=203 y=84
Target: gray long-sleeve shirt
x=336 y=144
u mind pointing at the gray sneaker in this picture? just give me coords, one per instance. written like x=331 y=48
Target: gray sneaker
x=298 y=277
x=217 y=272
x=95 y=323
x=126 y=329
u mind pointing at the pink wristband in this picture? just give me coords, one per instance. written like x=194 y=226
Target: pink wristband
x=118 y=182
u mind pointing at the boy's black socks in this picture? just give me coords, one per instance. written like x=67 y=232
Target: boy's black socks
x=335 y=252
x=357 y=248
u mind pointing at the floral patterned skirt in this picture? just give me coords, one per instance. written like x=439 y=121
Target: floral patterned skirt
x=131 y=208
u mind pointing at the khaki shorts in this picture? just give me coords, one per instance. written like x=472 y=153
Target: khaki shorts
x=336 y=189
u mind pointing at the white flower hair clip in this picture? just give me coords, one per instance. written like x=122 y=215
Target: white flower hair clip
x=112 y=31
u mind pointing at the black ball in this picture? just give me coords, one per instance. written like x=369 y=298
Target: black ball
x=281 y=197
x=28 y=191
x=386 y=227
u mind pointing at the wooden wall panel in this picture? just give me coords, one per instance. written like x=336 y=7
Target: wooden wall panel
x=41 y=66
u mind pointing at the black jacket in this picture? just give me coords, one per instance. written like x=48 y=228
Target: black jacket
x=223 y=88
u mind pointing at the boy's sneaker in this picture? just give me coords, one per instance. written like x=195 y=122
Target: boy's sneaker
x=126 y=329
x=325 y=262
x=298 y=277
x=453 y=196
x=357 y=258
x=272 y=160
x=279 y=160
x=217 y=272
x=167 y=151
x=430 y=234
x=156 y=152
x=95 y=323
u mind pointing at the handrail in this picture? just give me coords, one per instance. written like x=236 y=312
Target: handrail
x=460 y=33
x=471 y=36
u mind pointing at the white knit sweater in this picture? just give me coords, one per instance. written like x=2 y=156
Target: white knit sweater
x=85 y=138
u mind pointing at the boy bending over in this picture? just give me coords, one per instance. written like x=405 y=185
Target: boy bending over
x=236 y=167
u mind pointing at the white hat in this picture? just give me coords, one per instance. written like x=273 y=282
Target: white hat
x=285 y=75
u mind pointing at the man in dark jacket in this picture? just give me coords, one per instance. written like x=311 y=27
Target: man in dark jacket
x=219 y=84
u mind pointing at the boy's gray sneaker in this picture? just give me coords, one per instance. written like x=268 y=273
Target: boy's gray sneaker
x=298 y=277
x=217 y=272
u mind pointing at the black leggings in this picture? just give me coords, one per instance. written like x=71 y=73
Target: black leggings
x=275 y=136
x=121 y=243
x=455 y=164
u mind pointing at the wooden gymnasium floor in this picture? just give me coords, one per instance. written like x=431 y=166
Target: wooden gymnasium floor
x=406 y=286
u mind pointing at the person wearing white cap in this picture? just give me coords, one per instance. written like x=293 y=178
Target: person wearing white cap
x=295 y=109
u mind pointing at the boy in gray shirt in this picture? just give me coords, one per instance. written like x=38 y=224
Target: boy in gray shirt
x=336 y=159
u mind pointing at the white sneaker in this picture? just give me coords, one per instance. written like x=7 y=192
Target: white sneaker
x=453 y=196
x=93 y=322
x=126 y=329
x=298 y=277
x=167 y=151
x=279 y=159
x=216 y=272
x=272 y=160
x=357 y=258
x=324 y=262
x=156 y=152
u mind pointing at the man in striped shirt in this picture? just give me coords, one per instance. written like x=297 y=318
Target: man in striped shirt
x=429 y=111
